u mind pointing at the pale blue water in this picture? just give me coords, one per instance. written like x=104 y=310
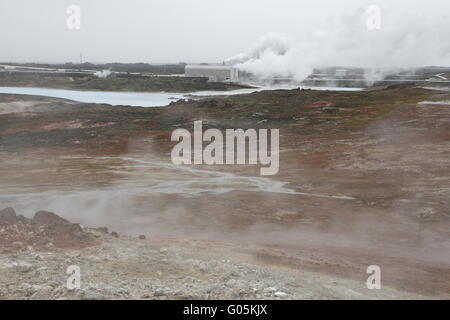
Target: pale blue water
x=138 y=99
x=143 y=99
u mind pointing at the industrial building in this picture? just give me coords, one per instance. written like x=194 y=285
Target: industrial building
x=214 y=73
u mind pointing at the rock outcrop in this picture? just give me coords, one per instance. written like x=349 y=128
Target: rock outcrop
x=46 y=231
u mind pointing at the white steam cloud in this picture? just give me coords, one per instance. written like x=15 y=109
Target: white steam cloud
x=401 y=42
x=103 y=73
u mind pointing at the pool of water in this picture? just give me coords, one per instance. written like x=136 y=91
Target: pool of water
x=136 y=99
x=143 y=99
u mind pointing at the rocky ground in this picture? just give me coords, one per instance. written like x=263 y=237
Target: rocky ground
x=45 y=231
x=34 y=263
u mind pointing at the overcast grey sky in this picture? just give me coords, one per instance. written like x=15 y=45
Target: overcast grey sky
x=170 y=30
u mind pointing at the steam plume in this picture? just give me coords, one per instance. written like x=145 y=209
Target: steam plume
x=402 y=42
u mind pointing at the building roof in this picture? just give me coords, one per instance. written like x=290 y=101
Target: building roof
x=208 y=67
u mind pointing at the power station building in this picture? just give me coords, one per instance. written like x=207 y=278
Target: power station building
x=213 y=73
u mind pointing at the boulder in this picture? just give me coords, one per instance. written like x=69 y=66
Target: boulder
x=8 y=216
x=50 y=219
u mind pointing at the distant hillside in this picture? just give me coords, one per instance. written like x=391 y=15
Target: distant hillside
x=120 y=67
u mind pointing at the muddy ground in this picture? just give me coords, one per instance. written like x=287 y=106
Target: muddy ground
x=366 y=183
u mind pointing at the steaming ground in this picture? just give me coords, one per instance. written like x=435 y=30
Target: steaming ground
x=343 y=200
x=199 y=208
x=135 y=184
